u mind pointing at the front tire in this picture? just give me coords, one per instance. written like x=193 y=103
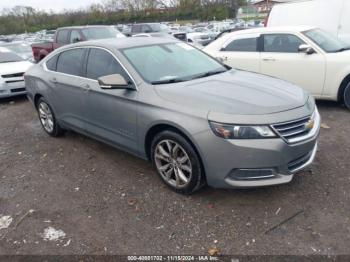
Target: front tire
x=177 y=163
x=346 y=96
x=47 y=118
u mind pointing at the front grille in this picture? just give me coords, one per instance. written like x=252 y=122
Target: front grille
x=296 y=164
x=16 y=90
x=13 y=75
x=293 y=129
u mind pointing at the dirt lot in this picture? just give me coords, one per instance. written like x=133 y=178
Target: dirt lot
x=99 y=200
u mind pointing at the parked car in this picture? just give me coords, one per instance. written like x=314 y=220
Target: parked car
x=69 y=35
x=12 y=68
x=149 y=28
x=195 y=38
x=204 y=30
x=306 y=56
x=219 y=26
x=331 y=16
x=227 y=31
x=198 y=122
x=22 y=49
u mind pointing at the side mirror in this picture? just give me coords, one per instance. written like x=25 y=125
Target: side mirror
x=115 y=81
x=306 y=49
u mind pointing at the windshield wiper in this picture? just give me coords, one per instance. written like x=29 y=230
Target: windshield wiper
x=168 y=81
x=210 y=73
x=343 y=49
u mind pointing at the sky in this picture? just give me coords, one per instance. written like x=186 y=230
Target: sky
x=55 y=5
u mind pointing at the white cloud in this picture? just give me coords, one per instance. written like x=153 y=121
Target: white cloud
x=56 y=5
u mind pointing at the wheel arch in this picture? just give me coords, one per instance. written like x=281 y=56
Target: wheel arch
x=159 y=127
x=342 y=87
x=36 y=99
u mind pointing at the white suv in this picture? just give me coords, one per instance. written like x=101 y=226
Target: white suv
x=306 y=56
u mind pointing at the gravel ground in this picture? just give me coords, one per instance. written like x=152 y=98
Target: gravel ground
x=73 y=195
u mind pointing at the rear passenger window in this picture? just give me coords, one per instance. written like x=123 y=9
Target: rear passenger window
x=102 y=63
x=243 y=45
x=136 y=29
x=71 y=61
x=51 y=63
x=62 y=36
x=282 y=43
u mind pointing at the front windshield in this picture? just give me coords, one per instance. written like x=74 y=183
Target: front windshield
x=169 y=63
x=326 y=41
x=99 y=33
x=8 y=57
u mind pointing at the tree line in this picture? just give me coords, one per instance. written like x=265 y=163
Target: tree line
x=22 y=19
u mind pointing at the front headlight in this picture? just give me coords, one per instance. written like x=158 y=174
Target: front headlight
x=241 y=132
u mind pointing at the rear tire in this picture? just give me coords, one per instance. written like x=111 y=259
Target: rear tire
x=47 y=118
x=346 y=96
x=177 y=163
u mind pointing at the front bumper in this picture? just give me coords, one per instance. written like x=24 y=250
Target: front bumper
x=255 y=163
x=10 y=90
x=274 y=178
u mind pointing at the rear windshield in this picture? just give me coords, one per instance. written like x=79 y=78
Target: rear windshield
x=7 y=57
x=99 y=33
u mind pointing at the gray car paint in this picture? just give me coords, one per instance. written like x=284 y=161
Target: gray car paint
x=123 y=118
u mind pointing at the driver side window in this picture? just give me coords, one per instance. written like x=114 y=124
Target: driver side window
x=102 y=63
x=75 y=37
x=282 y=43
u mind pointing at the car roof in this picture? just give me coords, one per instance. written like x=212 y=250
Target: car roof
x=127 y=42
x=275 y=29
x=82 y=27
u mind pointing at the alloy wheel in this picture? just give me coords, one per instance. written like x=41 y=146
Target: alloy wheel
x=46 y=117
x=173 y=163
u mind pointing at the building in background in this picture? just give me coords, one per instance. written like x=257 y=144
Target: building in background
x=265 y=6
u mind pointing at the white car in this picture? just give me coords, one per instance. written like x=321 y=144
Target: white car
x=305 y=56
x=12 y=69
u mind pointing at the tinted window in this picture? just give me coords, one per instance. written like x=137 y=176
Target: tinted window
x=102 y=63
x=62 y=36
x=282 y=43
x=75 y=37
x=99 y=32
x=136 y=29
x=147 y=29
x=51 y=63
x=70 y=62
x=243 y=45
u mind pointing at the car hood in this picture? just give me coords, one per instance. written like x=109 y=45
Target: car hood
x=14 y=67
x=236 y=92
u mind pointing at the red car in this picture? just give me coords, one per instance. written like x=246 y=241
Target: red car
x=70 y=35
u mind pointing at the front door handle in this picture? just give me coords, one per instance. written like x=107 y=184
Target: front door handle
x=86 y=87
x=53 y=80
x=268 y=59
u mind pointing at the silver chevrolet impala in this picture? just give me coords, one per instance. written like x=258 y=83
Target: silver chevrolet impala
x=198 y=121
